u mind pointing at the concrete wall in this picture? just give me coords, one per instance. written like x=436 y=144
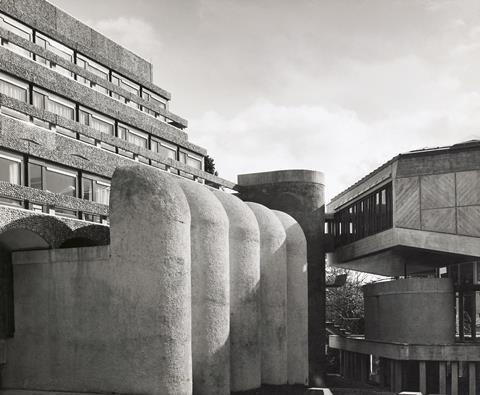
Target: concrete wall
x=210 y=300
x=53 y=22
x=273 y=290
x=244 y=258
x=301 y=194
x=413 y=310
x=297 y=300
x=131 y=317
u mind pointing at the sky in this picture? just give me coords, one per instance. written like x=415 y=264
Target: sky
x=339 y=86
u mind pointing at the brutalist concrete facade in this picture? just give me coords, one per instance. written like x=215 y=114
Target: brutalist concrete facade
x=45 y=53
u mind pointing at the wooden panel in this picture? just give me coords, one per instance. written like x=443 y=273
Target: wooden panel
x=438 y=191
x=439 y=220
x=407 y=203
x=469 y=220
x=468 y=188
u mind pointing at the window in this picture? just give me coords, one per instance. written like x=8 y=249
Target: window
x=191 y=159
x=95 y=189
x=13 y=88
x=125 y=83
x=54 y=46
x=10 y=112
x=161 y=147
x=371 y=214
x=10 y=168
x=52 y=179
x=133 y=136
x=92 y=66
x=97 y=121
x=65 y=132
x=53 y=103
x=61 y=70
x=15 y=27
x=15 y=48
x=154 y=98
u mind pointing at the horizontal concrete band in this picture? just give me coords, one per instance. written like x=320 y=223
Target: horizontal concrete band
x=73 y=255
x=50 y=20
x=415 y=352
x=273 y=177
x=421 y=292
x=18 y=136
x=46 y=54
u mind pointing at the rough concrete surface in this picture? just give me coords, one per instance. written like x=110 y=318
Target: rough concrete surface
x=297 y=300
x=210 y=290
x=273 y=290
x=244 y=247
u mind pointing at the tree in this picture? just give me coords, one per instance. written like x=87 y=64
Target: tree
x=210 y=165
x=344 y=305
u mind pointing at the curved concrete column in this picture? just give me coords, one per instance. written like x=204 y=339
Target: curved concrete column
x=273 y=289
x=150 y=342
x=210 y=291
x=297 y=300
x=244 y=247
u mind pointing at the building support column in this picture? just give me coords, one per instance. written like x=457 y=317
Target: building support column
x=397 y=379
x=472 y=378
x=442 y=377
x=422 y=370
x=454 y=382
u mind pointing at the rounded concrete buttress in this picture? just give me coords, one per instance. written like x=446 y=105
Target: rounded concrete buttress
x=273 y=290
x=210 y=291
x=150 y=341
x=297 y=300
x=244 y=246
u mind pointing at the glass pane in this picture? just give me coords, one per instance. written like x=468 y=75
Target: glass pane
x=15 y=48
x=35 y=176
x=102 y=126
x=60 y=183
x=66 y=132
x=10 y=171
x=39 y=100
x=197 y=164
x=137 y=140
x=102 y=193
x=87 y=189
x=60 y=109
x=15 y=27
x=182 y=157
x=84 y=117
x=13 y=90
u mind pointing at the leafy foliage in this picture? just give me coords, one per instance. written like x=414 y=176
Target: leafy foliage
x=210 y=165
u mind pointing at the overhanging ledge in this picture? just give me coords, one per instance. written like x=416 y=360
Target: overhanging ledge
x=401 y=351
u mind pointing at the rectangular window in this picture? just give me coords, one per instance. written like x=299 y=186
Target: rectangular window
x=41 y=123
x=195 y=161
x=154 y=98
x=13 y=87
x=133 y=136
x=125 y=83
x=96 y=189
x=108 y=147
x=54 y=46
x=65 y=212
x=61 y=70
x=92 y=66
x=86 y=139
x=35 y=176
x=10 y=168
x=60 y=181
x=15 y=48
x=16 y=27
x=53 y=103
x=65 y=132
x=10 y=112
x=161 y=147
x=97 y=121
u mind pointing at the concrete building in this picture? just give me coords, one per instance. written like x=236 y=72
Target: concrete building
x=125 y=267
x=416 y=219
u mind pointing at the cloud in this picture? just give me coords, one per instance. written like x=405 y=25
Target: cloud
x=266 y=137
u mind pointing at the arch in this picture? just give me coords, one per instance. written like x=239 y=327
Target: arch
x=87 y=236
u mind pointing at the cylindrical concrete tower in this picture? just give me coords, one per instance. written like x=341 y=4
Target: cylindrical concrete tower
x=301 y=194
x=273 y=289
x=150 y=229
x=210 y=291
x=297 y=300
x=244 y=245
